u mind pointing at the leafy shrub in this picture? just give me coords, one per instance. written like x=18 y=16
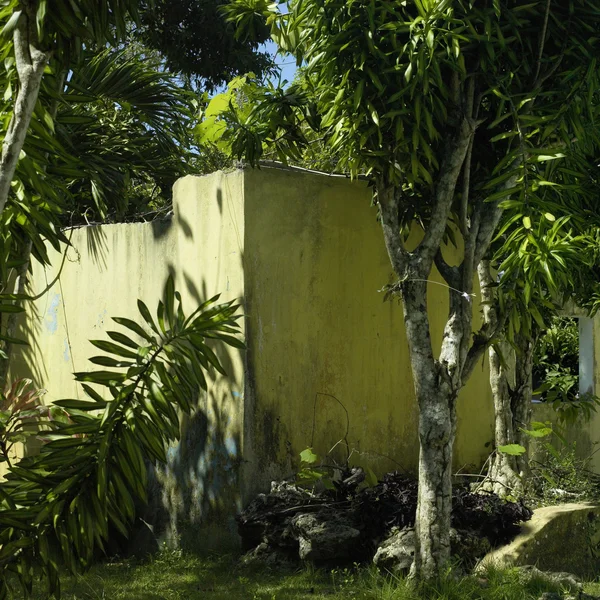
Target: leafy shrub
x=556 y=371
x=19 y=407
x=556 y=361
x=57 y=507
x=560 y=476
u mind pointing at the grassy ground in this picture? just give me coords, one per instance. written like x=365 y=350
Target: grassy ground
x=172 y=576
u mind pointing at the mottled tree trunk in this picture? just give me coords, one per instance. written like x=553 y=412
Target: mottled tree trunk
x=511 y=392
x=521 y=399
x=437 y=381
x=437 y=426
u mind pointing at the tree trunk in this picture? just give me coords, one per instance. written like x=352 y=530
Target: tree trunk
x=521 y=399
x=511 y=392
x=504 y=474
x=436 y=382
x=30 y=63
x=437 y=427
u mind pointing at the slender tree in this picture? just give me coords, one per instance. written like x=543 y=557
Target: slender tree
x=535 y=269
x=449 y=108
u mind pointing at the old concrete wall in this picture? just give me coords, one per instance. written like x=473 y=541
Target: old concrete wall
x=327 y=359
x=106 y=270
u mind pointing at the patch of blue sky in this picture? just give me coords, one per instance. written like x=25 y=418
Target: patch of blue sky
x=285 y=62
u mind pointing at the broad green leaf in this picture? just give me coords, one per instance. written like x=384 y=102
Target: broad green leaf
x=308 y=456
x=512 y=449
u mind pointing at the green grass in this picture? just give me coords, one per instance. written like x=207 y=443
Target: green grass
x=173 y=576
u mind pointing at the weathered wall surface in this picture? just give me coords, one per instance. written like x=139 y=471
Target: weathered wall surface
x=327 y=356
x=106 y=270
x=327 y=359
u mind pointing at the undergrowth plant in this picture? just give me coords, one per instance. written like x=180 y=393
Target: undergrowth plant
x=556 y=372
x=57 y=507
x=20 y=407
x=556 y=472
x=559 y=475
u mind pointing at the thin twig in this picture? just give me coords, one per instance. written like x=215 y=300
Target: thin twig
x=542 y=43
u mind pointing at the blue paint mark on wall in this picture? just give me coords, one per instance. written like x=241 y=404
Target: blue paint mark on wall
x=51 y=320
x=231 y=446
x=66 y=353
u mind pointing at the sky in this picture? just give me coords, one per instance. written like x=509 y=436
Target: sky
x=286 y=63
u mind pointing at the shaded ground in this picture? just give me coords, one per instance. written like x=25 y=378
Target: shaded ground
x=172 y=576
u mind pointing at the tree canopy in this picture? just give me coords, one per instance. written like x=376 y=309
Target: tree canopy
x=197 y=41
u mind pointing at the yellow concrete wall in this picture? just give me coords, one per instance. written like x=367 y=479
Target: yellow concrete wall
x=106 y=271
x=306 y=255
x=320 y=335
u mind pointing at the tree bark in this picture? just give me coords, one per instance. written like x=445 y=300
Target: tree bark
x=511 y=393
x=437 y=427
x=521 y=399
x=436 y=382
x=30 y=63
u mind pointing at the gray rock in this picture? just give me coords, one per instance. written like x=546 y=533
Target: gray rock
x=325 y=535
x=550 y=596
x=396 y=553
x=566 y=581
x=269 y=556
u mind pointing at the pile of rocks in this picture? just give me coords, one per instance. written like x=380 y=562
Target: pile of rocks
x=352 y=524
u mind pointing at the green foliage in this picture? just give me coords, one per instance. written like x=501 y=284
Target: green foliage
x=124 y=123
x=20 y=407
x=512 y=449
x=538 y=430
x=386 y=84
x=65 y=28
x=108 y=145
x=311 y=473
x=558 y=475
x=556 y=360
x=56 y=507
x=172 y=576
x=556 y=371
x=196 y=40
x=382 y=79
x=111 y=129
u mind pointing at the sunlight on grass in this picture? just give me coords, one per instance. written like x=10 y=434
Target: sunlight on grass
x=172 y=575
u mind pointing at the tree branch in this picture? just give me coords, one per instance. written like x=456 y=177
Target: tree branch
x=389 y=206
x=472 y=111
x=464 y=201
x=452 y=163
x=492 y=323
x=450 y=274
x=491 y=212
x=30 y=63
